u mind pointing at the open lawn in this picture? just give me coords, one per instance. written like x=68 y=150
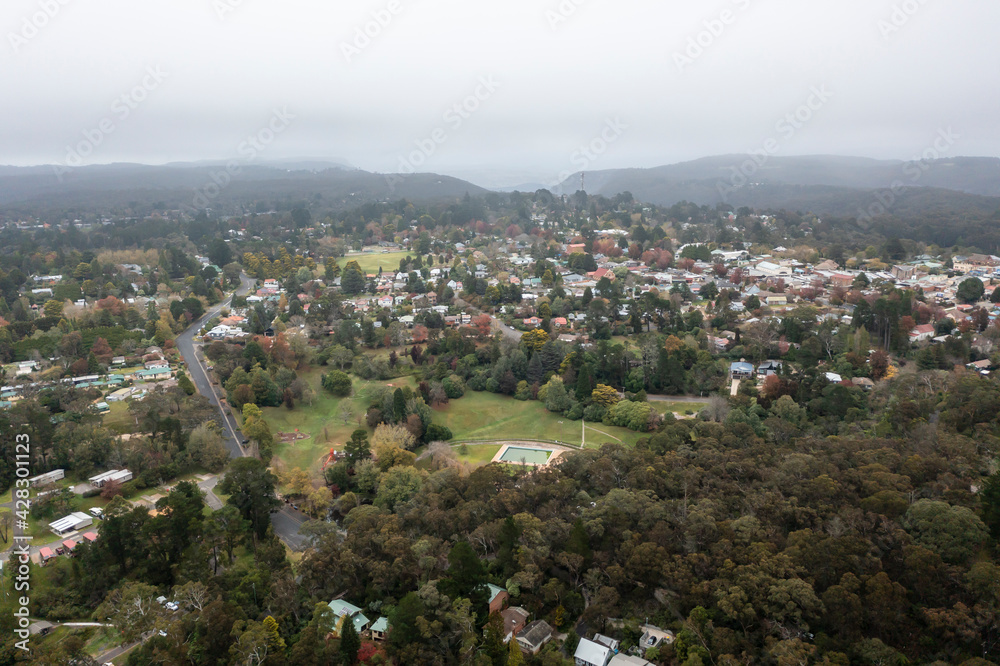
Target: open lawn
x=118 y=419
x=370 y=263
x=326 y=422
x=477 y=454
x=490 y=416
x=679 y=407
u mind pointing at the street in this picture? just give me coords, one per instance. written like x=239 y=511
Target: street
x=286 y=521
x=199 y=375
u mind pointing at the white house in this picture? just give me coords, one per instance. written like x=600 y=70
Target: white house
x=71 y=523
x=119 y=475
x=589 y=653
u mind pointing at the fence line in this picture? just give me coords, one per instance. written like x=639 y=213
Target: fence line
x=516 y=441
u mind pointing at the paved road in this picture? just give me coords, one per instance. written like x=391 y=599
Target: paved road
x=508 y=332
x=189 y=350
x=286 y=522
x=211 y=499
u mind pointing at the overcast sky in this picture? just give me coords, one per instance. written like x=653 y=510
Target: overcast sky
x=538 y=79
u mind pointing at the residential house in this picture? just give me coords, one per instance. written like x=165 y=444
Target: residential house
x=533 y=637
x=590 y=653
x=740 y=370
x=628 y=660
x=533 y=322
x=344 y=611
x=982 y=367
x=772 y=299
x=47 y=478
x=152 y=374
x=768 y=368
x=498 y=598
x=514 y=619
x=922 y=333
x=116 y=475
x=379 y=629
x=863 y=382
x=841 y=280
x=653 y=636
x=975 y=262
x=71 y=523
x=769 y=269
x=719 y=344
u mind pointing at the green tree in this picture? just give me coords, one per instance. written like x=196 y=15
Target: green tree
x=989 y=498
x=466 y=576
x=250 y=487
x=132 y=609
x=953 y=532
x=352 y=279
x=185 y=383
x=338 y=383
x=350 y=642
x=357 y=447
x=970 y=290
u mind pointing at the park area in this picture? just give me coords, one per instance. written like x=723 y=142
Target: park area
x=492 y=416
x=370 y=262
x=310 y=431
x=325 y=424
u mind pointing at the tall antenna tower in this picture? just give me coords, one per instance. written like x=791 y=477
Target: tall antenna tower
x=583 y=181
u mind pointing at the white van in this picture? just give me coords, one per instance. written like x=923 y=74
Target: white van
x=96 y=512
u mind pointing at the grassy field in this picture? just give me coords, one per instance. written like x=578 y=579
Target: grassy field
x=370 y=263
x=679 y=407
x=477 y=454
x=118 y=419
x=323 y=421
x=491 y=416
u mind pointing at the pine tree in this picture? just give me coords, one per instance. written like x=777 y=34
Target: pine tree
x=350 y=643
x=584 y=383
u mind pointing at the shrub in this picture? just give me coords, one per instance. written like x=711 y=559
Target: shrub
x=454 y=387
x=438 y=433
x=337 y=383
x=631 y=415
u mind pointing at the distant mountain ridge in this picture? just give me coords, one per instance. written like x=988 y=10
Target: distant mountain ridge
x=786 y=181
x=214 y=185
x=831 y=185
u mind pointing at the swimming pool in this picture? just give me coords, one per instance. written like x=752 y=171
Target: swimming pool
x=516 y=454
